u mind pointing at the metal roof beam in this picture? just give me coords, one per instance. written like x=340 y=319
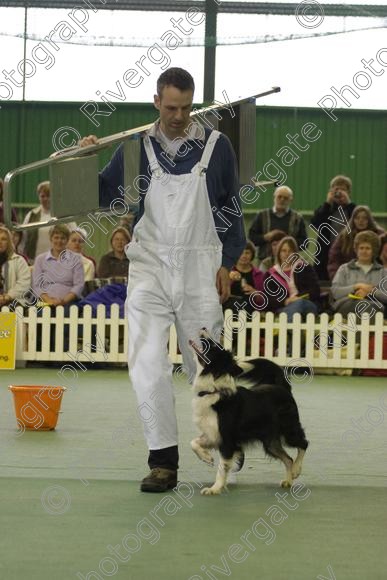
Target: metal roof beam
x=285 y=8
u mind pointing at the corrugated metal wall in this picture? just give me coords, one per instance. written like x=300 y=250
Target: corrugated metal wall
x=356 y=145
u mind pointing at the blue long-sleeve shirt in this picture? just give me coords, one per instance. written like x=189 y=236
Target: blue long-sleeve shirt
x=221 y=178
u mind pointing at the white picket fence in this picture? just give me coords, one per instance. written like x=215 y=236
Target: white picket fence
x=318 y=342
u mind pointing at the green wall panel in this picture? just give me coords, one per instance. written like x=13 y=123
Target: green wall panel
x=355 y=144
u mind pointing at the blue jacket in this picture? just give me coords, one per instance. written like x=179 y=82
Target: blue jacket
x=222 y=186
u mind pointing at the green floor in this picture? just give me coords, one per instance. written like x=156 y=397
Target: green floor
x=70 y=506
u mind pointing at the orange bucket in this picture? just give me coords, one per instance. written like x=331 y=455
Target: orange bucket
x=37 y=407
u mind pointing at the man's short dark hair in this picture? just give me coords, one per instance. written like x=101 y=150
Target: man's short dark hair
x=175 y=77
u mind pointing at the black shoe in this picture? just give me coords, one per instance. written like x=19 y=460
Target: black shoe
x=159 y=480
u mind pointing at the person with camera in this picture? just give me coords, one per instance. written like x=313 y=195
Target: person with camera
x=339 y=195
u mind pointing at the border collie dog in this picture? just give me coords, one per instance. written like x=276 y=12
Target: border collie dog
x=229 y=417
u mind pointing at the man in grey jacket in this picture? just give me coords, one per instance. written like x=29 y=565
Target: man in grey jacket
x=280 y=217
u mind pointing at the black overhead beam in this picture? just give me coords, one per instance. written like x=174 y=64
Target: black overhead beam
x=285 y=8
x=210 y=51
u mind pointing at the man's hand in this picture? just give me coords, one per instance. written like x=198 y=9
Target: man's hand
x=90 y=140
x=223 y=284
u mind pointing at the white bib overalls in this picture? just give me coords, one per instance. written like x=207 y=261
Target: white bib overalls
x=174 y=257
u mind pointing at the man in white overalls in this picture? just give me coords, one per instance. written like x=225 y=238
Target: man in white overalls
x=179 y=260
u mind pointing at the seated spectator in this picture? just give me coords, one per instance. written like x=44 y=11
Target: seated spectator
x=17 y=239
x=269 y=262
x=13 y=212
x=291 y=285
x=127 y=221
x=342 y=250
x=15 y=277
x=246 y=281
x=280 y=217
x=383 y=252
x=339 y=195
x=356 y=282
x=75 y=244
x=115 y=263
x=57 y=277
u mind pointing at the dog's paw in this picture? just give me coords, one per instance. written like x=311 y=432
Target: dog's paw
x=239 y=460
x=296 y=471
x=205 y=456
x=211 y=490
x=286 y=483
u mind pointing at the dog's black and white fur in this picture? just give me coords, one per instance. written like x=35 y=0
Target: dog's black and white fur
x=229 y=416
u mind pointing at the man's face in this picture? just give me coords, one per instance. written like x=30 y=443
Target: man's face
x=174 y=107
x=341 y=193
x=282 y=199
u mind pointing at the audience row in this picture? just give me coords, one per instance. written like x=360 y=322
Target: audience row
x=332 y=230
x=58 y=276
x=291 y=284
x=350 y=249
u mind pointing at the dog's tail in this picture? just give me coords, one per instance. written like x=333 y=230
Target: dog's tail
x=262 y=371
